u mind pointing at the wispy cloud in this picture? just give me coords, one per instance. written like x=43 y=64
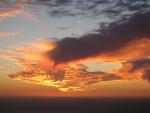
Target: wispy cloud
x=7 y=34
x=13 y=8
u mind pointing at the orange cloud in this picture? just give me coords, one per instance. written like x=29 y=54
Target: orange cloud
x=38 y=68
x=135 y=69
x=136 y=49
x=73 y=78
x=17 y=8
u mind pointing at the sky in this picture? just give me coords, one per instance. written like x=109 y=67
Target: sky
x=85 y=48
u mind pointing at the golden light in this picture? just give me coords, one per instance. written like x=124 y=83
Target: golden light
x=39 y=68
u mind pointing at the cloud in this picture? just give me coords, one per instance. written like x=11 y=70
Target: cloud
x=141 y=65
x=59 y=64
x=63 y=28
x=110 y=9
x=94 y=8
x=13 y=8
x=76 y=77
x=134 y=70
x=146 y=75
x=125 y=40
x=114 y=37
x=7 y=34
x=37 y=68
x=73 y=78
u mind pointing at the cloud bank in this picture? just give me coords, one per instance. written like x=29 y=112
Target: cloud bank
x=113 y=37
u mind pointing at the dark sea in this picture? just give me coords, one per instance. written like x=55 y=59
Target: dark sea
x=74 y=105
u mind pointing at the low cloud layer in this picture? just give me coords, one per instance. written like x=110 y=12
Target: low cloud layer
x=73 y=78
x=38 y=69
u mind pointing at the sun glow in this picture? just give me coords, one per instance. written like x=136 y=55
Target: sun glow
x=40 y=68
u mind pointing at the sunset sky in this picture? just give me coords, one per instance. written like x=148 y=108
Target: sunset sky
x=84 y=48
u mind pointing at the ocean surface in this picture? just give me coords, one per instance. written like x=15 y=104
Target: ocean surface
x=74 y=105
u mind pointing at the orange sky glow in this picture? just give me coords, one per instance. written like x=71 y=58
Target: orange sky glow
x=45 y=51
x=73 y=79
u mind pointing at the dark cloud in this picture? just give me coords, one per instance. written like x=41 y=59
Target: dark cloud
x=51 y=3
x=142 y=65
x=80 y=8
x=110 y=77
x=122 y=8
x=93 y=8
x=146 y=74
x=112 y=9
x=63 y=28
x=61 y=13
x=138 y=64
x=114 y=36
x=63 y=2
x=134 y=5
